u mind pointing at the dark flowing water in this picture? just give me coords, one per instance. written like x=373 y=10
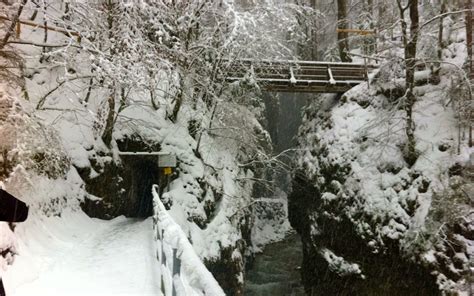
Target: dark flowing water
x=275 y=271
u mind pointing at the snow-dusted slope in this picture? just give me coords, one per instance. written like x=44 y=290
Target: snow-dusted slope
x=76 y=255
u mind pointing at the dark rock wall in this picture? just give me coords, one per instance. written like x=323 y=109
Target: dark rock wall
x=346 y=248
x=385 y=273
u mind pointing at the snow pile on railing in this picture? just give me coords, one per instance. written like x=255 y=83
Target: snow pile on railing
x=181 y=270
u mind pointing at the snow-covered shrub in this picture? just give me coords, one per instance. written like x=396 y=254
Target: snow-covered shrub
x=449 y=205
x=27 y=142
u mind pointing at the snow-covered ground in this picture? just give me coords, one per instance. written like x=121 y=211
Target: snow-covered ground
x=76 y=255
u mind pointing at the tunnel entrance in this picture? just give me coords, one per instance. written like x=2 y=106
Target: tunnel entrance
x=140 y=171
x=121 y=187
x=144 y=169
x=144 y=173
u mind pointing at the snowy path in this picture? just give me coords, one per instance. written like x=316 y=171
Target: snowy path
x=81 y=256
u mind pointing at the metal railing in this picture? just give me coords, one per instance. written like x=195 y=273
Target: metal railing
x=181 y=270
x=301 y=76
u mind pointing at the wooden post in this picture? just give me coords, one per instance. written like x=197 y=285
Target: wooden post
x=18 y=30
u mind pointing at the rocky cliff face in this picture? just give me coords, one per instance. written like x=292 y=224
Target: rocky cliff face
x=339 y=261
x=370 y=223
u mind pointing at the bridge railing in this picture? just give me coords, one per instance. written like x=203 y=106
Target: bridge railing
x=300 y=76
x=181 y=271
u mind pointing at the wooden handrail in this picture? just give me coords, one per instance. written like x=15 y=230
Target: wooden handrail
x=357 y=31
x=51 y=28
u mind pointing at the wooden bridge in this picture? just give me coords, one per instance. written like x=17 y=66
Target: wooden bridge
x=300 y=76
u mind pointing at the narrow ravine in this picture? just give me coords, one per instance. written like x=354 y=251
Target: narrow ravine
x=276 y=271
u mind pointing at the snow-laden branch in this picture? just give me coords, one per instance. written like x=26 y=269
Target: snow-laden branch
x=442 y=15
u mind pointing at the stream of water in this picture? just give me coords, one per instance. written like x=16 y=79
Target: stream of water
x=276 y=272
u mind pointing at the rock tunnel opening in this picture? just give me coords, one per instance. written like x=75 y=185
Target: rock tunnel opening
x=124 y=187
x=144 y=173
x=140 y=172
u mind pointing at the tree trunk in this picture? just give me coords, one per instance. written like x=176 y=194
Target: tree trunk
x=89 y=91
x=468 y=5
x=370 y=40
x=342 y=37
x=410 y=49
x=177 y=106
x=314 y=32
x=154 y=104
x=109 y=123
x=179 y=101
x=440 y=40
x=410 y=63
x=11 y=29
x=35 y=12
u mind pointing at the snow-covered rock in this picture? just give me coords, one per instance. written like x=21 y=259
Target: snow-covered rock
x=370 y=221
